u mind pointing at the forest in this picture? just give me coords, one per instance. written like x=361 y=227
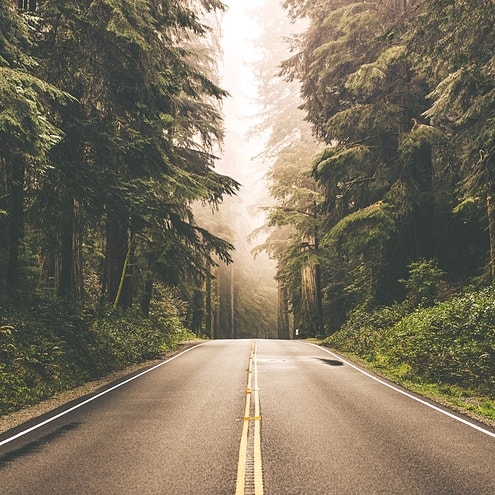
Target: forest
x=378 y=123
x=386 y=235
x=399 y=93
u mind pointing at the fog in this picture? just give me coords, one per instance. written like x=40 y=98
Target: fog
x=246 y=291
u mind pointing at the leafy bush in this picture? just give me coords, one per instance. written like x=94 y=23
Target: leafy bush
x=363 y=331
x=47 y=346
x=425 y=283
x=451 y=343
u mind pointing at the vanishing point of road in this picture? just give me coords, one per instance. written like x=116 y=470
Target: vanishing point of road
x=250 y=417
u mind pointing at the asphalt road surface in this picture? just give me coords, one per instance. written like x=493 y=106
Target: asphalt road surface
x=250 y=417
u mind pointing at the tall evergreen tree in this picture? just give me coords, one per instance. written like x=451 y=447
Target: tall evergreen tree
x=145 y=126
x=451 y=44
x=363 y=100
x=27 y=132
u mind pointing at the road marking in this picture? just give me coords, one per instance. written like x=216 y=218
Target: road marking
x=94 y=397
x=407 y=394
x=250 y=468
x=258 y=467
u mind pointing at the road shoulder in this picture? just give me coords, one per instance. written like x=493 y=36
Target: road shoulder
x=17 y=418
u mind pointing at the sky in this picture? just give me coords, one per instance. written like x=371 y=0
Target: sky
x=239 y=32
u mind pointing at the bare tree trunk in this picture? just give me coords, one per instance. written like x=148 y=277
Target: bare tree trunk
x=16 y=220
x=283 y=312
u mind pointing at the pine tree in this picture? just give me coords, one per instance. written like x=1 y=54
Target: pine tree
x=27 y=132
x=142 y=136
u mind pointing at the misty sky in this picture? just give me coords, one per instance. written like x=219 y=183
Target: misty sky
x=239 y=31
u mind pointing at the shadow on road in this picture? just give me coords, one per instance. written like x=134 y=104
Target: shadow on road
x=331 y=362
x=37 y=445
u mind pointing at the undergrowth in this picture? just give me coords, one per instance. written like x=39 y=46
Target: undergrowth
x=446 y=350
x=47 y=346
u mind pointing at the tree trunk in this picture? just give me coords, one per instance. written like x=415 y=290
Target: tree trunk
x=423 y=175
x=283 y=312
x=116 y=281
x=147 y=293
x=65 y=254
x=197 y=311
x=311 y=298
x=297 y=312
x=16 y=220
x=77 y=258
x=47 y=274
x=312 y=307
x=405 y=113
x=233 y=333
x=490 y=209
x=123 y=297
x=216 y=326
x=208 y=308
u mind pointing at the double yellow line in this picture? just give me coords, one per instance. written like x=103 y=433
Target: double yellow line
x=250 y=469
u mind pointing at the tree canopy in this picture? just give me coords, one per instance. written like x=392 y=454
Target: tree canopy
x=379 y=119
x=110 y=121
x=399 y=93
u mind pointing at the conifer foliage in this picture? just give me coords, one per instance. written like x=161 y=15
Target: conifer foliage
x=401 y=95
x=110 y=118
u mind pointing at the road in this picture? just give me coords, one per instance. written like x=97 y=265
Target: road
x=250 y=417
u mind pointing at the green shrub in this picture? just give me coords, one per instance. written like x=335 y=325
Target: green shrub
x=451 y=343
x=363 y=331
x=49 y=346
x=425 y=284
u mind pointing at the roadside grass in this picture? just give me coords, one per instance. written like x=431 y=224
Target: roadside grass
x=445 y=352
x=466 y=401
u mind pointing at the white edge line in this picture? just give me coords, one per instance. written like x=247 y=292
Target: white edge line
x=94 y=397
x=407 y=394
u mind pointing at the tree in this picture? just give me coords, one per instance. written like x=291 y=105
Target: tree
x=289 y=148
x=365 y=101
x=27 y=132
x=142 y=136
x=450 y=45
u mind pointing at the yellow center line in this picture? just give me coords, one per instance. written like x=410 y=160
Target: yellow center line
x=258 y=468
x=251 y=450
x=241 y=468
